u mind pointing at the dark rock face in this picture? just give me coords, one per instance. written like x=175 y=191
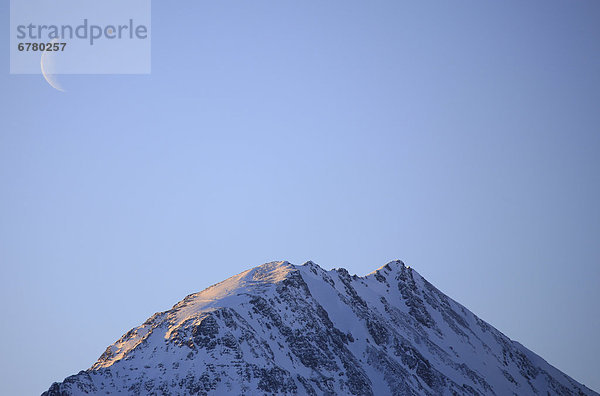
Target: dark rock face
x=285 y=330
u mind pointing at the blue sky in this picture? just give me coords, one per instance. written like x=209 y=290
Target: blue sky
x=461 y=137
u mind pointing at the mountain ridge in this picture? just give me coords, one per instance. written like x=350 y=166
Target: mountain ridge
x=281 y=328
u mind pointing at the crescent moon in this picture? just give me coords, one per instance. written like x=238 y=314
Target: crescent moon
x=50 y=78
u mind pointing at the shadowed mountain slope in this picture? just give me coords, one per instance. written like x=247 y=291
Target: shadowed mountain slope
x=285 y=329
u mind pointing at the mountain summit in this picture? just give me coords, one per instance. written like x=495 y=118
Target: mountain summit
x=285 y=329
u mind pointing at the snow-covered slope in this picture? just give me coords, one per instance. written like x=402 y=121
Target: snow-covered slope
x=285 y=329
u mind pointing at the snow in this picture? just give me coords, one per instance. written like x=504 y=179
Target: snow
x=266 y=326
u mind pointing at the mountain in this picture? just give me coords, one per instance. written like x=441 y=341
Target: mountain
x=286 y=329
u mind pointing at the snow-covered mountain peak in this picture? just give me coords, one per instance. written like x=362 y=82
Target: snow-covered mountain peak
x=268 y=273
x=283 y=329
x=393 y=266
x=257 y=278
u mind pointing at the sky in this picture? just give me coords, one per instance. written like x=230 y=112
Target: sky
x=461 y=137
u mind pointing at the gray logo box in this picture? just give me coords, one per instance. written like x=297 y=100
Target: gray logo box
x=80 y=37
